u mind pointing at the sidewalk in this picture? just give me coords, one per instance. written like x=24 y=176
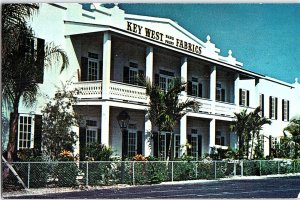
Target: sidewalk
x=42 y=191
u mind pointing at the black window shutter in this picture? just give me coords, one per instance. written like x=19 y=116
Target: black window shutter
x=99 y=135
x=126 y=74
x=82 y=142
x=40 y=60
x=155 y=144
x=248 y=98
x=189 y=88
x=223 y=94
x=125 y=144
x=139 y=142
x=282 y=109
x=276 y=106
x=263 y=105
x=141 y=77
x=156 y=79
x=199 y=146
x=270 y=107
x=189 y=140
x=288 y=110
x=223 y=141
x=100 y=70
x=200 y=90
x=240 y=96
x=84 y=68
x=38 y=132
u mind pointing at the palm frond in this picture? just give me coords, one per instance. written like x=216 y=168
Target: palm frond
x=54 y=54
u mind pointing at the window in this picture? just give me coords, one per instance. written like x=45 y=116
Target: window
x=220 y=92
x=273 y=102
x=262 y=104
x=177 y=146
x=91 y=136
x=132 y=140
x=244 y=97
x=194 y=143
x=165 y=79
x=162 y=145
x=25 y=132
x=285 y=110
x=133 y=73
x=91 y=132
x=220 y=140
x=93 y=67
x=194 y=86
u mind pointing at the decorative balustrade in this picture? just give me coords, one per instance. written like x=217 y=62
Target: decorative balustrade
x=133 y=93
x=224 y=108
x=121 y=91
x=128 y=92
x=89 y=89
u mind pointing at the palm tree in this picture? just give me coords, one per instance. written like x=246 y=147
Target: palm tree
x=240 y=127
x=20 y=70
x=165 y=107
x=256 y=123
x=294 y=129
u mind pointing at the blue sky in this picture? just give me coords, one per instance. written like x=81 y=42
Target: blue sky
x=265 y=37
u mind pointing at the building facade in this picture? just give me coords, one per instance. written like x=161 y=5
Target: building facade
x=108 y=49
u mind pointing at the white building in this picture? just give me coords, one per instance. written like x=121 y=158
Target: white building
x=107 y=48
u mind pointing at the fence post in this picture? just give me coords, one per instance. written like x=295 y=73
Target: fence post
x=133 y=177
x=28 y=178
x=172 y=171
x=294 y=166
x=196 y=169
x=215 y=169
x=87 y=173
x=260 y=168
x=242 y=168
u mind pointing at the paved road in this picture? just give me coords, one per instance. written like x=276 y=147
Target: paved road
x=280 y=187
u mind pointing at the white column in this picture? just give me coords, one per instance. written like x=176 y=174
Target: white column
x=184 y=69
x=149 y=63
x=106 y=65
x=183 y=135
x=147 y=141
x=105 y=124
x=237 y=92
x=256 y=104
x=212 y=133
x=213 y=85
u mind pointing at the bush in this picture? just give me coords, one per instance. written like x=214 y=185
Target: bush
x=66 y=170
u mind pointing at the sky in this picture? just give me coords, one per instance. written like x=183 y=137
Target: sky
x=264 y=37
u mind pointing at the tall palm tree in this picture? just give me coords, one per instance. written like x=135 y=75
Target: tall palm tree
x=20 y=70
x=165 y=107
x=256 y=123
x=240 y=127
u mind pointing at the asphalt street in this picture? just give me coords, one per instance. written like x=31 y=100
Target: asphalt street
x=280 y=187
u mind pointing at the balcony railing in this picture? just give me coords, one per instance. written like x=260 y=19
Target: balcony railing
x=137 y=94
x=89 y=89
x=120 y=91
x=127 y=92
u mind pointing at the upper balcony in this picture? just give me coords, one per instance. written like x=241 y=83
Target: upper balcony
x=92 y=90
x=118 y=91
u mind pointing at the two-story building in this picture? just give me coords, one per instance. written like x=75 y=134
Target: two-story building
x=109 y=48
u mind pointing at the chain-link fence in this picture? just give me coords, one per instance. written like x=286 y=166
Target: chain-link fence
x=94 y=173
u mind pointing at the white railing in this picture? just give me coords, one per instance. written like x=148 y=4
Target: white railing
x=88 y=89
x=224 y=108
x=206 y=105
x=128 y=92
